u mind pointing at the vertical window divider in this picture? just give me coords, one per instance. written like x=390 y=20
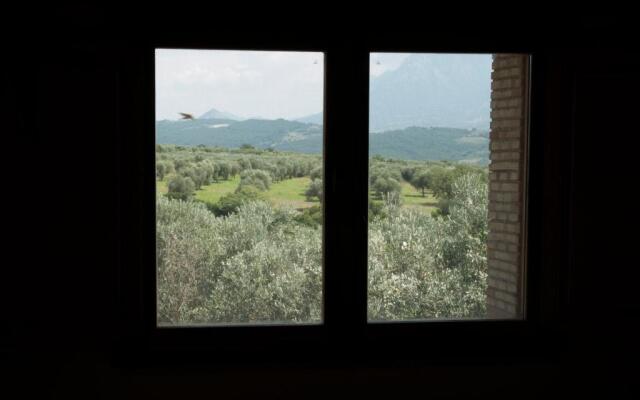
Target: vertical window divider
x=346 y=171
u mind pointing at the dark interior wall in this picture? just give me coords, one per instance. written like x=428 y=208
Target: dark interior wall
x=70 y=76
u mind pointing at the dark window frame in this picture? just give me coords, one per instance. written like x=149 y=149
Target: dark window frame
x=345 y=332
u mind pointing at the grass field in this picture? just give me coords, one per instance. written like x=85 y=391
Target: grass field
x=212 y=193
x=412 y=198
x=291 y=192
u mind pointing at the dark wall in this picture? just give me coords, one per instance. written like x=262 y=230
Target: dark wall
x=72 y=80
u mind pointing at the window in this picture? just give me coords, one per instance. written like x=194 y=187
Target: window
x=446 y=145
x=239 y=171
x=254 y=224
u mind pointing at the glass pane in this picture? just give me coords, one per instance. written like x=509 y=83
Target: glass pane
x=239 y=173
x=430 y=117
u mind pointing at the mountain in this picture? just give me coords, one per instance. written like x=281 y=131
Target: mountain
x=408 y=108
x=450 y=90
x=216 y=114
x=414 y=143
x=316 y=118
x=426 y=90
x=279 y=134
x=419 y=143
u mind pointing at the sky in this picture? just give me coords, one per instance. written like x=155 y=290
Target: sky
x=380 y=63
x=264 y=84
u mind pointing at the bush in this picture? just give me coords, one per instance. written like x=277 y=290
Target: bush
x=376 y=210
x=315 y=189
x=181 y=188
x=255 y=177
x=421 y=267
x=316 y=173
x=385 y=185
x=230 y=203
x=311 y=216
x=252 y=266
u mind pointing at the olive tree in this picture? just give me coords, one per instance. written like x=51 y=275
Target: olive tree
x=315 y=189
x=255 y=177
x=181 y=188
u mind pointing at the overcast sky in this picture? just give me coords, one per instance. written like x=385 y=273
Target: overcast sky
x=380 y=63
x=245 y=83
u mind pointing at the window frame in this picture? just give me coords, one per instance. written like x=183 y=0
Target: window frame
x=345 y=332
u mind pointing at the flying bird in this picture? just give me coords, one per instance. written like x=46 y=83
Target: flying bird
x=187 y=116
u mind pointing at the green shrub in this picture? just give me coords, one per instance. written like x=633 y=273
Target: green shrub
x=311 y=216
x=255 y=177
x=315 y=189
x=180 y=188
x=231 y=202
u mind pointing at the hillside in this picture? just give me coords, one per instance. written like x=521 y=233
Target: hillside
x=415 y=143
x=279 y=134
x=216 y=114
x=432 y=90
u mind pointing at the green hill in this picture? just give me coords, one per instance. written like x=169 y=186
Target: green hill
x=414 y=143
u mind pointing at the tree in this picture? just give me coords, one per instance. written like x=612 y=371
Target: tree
x=384 y=185
x=315 y=189
x=316 y=173
x=421 y=181
x=255 y=177
x=408 y=173
x=160 y=170
x=235 y=169
x=231 y=202
x=311 y=216
x=198 y=175
x=223 y=170
x=181 y=188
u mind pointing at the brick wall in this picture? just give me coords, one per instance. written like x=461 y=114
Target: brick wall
x=509 y=101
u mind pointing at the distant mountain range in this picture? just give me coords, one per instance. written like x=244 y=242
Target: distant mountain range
x=279 y=134
x=450 y=90
x=317 y=118
x=215 y=114
x=408 y=108
x=414 y=143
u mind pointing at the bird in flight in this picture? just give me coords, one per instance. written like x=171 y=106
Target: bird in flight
x=187 y=116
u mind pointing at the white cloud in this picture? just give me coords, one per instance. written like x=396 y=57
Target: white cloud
x=246 y=83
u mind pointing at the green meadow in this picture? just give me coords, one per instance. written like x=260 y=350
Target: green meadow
x=286 y=192
x=291 y=192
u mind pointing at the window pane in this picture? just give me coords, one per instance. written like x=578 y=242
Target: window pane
x=432 y=158
x=239 y=188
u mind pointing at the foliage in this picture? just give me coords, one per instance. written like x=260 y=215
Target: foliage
x=231 y=202
x=384 y=185
x=243 y=260
x=420 y=267
x=311 y=216
x=255 y=177
x=181 y=188
x=257 y=136
x=421 y=180
x=252 y=266
x=315 y=189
